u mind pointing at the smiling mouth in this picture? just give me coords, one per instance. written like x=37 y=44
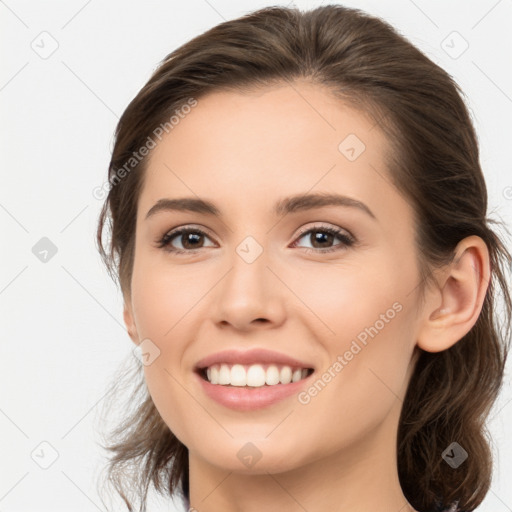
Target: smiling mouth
x=254 y=375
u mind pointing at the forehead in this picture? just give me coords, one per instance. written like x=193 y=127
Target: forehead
x=247 y=149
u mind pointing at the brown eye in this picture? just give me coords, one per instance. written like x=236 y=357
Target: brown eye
x=191 y=240
x=184 y=240
x=322 y=238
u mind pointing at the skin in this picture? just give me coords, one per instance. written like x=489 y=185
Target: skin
x=244 y=152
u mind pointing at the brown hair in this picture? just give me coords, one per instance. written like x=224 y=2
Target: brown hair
x=433 y=160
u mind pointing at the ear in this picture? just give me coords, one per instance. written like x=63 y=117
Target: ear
x=453 y=307
x=130 y=321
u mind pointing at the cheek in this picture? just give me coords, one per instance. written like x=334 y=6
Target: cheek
x=364 y=380
x=165 y=303
x=364 y=320
x=163 y=298
x=344 y=298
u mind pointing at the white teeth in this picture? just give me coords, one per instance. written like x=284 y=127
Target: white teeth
x=255 y=375
x=224 y=374
x=272 y=375
x=297 y=374
x=238 y=375
x=214 y=374
x=285 y=375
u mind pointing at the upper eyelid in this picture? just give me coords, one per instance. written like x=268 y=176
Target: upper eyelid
x=306 y=229
x=188 y=227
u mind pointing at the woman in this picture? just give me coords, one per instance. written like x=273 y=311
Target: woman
x=298 y=225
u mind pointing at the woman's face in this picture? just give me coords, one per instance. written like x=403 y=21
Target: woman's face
x=343 y=303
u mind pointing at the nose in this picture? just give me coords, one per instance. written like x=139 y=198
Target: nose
x=249 y=296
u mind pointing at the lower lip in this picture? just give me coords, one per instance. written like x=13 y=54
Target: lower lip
x=249 y=399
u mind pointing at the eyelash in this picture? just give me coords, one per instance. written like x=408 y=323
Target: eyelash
x=347 y=239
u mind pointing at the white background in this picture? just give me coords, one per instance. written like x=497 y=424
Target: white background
x=61 y=324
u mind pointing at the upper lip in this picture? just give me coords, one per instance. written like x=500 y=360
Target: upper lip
x=253 y=356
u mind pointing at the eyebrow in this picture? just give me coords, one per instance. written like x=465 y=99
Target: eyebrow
x=301 y=202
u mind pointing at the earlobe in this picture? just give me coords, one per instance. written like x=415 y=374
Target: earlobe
x=130 y=323
x=452 y=309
